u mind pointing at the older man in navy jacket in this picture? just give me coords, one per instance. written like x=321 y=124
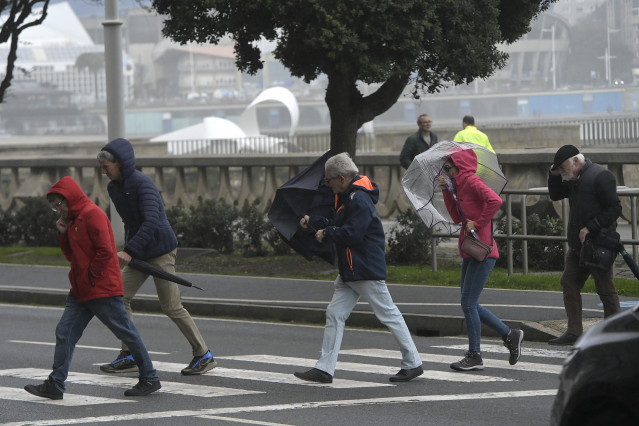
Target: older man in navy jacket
x=358 y=234
x=148 y=237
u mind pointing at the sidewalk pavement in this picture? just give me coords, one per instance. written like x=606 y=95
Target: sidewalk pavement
x=428 y=310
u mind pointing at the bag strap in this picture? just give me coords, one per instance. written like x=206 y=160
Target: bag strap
x=466 y=219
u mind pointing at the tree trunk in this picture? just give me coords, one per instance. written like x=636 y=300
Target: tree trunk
x=342 y=99
x=349 y=110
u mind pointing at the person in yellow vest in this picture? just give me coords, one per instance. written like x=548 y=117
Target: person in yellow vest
x=472 y=134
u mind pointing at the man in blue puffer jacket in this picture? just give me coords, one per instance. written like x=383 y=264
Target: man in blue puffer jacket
x=148 y=237
x=358 y=234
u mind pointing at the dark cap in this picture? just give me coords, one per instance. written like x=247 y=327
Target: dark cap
x=564 y=153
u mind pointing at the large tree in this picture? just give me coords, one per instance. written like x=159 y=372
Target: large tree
x=17 y=16
x=387 y=43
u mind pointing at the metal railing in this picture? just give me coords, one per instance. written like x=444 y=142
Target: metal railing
x=623 y=192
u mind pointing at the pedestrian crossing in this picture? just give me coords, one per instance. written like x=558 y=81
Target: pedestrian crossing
x=370 y=362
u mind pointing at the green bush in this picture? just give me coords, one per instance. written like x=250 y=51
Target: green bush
x=275 y=241
x=209 y=224
x=409 y=241
x=33 y=224
x=542 y=255
x=251 y=231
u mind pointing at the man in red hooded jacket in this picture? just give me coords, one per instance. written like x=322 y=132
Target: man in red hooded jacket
x=87 y=241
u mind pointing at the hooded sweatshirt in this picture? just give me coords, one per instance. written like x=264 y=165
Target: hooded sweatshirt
x=477 y=201
x=357 y=232
x=89 y=245
x=148 y=233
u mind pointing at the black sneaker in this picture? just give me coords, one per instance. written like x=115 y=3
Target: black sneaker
x=471 y=361
x=124 y=363
x=406 y=375
x=315 y=375
x=143 y=388
x=200 y=365
x=564 y=339
x=45 y=390
x=513 y=343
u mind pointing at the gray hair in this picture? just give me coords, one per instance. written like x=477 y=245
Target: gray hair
x=106 y=155
x=581 y=158
x=420 y=117
x=341 y=165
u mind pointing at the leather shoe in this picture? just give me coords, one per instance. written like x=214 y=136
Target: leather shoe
x=315 y=375
x=406 y=375
x=564 y=339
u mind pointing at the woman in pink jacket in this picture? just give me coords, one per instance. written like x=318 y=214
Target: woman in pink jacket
x=473 y=204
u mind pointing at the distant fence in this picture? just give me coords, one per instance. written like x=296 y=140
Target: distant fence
x=284 y=144
x=616 y=131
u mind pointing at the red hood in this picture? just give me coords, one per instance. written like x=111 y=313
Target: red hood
x=71 y=191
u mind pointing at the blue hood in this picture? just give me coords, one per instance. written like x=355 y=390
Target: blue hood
x=123 y=151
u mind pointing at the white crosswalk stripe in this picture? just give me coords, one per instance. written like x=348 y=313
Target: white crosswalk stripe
x=494 y=366
x=70 y=400
x=370 y=368
x=272 y=377
x=525 y=352
x=447 y=359
x=175 y=388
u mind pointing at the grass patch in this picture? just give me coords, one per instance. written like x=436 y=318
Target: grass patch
x=22 y=255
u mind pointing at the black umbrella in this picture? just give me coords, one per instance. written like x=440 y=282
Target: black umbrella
x=629 y=260
x=146 y=267
x=304 y=194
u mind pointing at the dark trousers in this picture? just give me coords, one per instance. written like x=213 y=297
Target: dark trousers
x=572 y=281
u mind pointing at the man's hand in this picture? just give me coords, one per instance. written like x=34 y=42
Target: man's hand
x=319 y=235
x=555 y=172
x=582 y=234
x=124 y=258
x=304 y=221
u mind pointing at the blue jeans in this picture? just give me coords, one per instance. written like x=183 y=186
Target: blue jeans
x=474 y=275
x=344 y=299
x=75 y=318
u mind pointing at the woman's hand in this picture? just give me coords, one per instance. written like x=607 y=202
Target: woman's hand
x=62 y=225
x=470 y=225
x=442 y=182
x=319 y=236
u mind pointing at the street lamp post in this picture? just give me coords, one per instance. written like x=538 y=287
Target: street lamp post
x=608 y=57
x=554 y=65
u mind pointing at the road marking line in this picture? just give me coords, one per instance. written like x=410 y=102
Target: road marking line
x=243 y=421
x=369 y=368
x=70 y=400
x=525 y=351
x=293 y=406
x=106 y=348
x=174 y=388
x=447 y=359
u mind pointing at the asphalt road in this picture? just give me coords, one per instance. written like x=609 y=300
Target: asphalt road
x=254 y=384
x=429 y=310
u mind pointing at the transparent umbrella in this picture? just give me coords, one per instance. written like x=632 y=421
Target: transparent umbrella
x=420 y=181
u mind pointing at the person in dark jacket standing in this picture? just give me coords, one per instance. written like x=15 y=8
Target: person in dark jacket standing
x=418 y=142
x=357 y=232
x=86 y=240
x=148 y=237
x=591 y=190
